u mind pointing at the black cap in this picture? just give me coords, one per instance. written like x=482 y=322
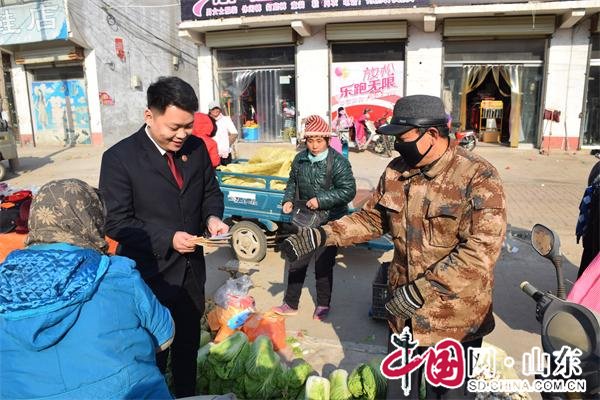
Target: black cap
x=418 y=111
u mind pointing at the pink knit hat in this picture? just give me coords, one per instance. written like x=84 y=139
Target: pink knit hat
x=314 y=125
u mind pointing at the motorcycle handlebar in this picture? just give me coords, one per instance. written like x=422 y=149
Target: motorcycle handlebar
x=530 y=290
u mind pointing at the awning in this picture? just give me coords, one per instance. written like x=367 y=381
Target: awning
x=250 y=37
x=539 y=25
x=388 y=30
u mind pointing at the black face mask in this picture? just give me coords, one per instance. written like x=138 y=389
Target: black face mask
x=410 y=152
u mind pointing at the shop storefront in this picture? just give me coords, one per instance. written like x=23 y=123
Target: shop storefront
x=496 y=70
x=257 y=88
x=59 y=104
x=46 y=75
x=590 y=137
x=366 y=77
x=495 y=87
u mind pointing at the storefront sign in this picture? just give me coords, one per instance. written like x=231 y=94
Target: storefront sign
x=213 y=9
x=359 y=85
x=33 y=22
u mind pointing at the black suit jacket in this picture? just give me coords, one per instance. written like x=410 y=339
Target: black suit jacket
x=146 y=207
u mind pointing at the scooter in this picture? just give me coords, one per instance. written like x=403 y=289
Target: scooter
x=565 y=323
x=378 y=143
x=466 y=139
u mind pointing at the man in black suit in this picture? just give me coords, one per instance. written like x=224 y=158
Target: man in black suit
x=160 y=192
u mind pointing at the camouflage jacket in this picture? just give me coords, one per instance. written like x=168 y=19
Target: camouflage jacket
x=448 y=225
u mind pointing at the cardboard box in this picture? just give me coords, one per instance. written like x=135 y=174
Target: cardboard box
x=490 y=136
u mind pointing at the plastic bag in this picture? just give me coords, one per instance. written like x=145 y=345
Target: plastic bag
x=268 y=324
x=234 y=293
x=232 y=317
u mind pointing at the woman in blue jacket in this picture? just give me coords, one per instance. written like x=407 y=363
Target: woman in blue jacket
x=74 y=322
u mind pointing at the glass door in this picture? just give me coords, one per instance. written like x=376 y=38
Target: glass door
x=257 y=88
x=261 y=97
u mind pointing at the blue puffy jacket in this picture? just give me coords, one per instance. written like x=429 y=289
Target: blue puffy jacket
x=76 y=324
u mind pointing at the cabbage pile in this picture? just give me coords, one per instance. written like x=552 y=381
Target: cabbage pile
x=255 y=371
x=249 y=370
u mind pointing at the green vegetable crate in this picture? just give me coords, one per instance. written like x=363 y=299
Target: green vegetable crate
x=380 y=292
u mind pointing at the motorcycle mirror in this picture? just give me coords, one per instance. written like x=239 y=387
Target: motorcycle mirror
x=545 y=241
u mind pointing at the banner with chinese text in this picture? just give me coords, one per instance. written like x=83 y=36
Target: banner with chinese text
x=359 y=85
x=214 y=9
x=33 y=22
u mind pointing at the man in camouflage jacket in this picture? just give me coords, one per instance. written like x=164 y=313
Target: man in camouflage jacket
x=445 y=210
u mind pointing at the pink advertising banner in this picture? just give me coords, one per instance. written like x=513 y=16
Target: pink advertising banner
x=356 y=86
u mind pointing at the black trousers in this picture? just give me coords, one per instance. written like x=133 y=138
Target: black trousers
x=226 y=161
x=186 y=311
x=395 y=391
x=323 y=274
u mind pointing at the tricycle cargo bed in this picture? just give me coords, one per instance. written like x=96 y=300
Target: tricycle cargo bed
x=259 y=207
x=253 y=202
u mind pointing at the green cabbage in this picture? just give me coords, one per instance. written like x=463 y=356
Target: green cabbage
x=298 y=373
x=238 y=366
x=201 y=376
x=301 y=393
x=380 y=380
x=224 y=359
x=282 y=383
x=228 y=349
x=262 y=361
x=338 y=380
x=264 y=388
x=361 y=382
x=214 y=382
x=238 y=387
x=204 y=338
x=317 y=388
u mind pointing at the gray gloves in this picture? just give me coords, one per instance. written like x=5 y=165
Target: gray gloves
x=405 y=301
x=302 y=243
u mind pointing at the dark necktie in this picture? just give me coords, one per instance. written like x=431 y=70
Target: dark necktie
x=173 y=168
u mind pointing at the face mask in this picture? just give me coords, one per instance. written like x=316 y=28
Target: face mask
x=410 y=152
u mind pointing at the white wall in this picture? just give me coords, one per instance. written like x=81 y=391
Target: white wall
x=91 y=79
x=312 y=77
x=21 y=95
x=565 y=82
x=423 y=62
x=206 y=80
x=150 y=40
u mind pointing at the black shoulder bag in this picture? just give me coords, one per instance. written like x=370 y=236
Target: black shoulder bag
x=302 y=216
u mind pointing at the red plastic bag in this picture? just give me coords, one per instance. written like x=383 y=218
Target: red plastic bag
x=268 y=324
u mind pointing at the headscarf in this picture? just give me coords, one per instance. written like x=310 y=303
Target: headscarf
x=68 y=211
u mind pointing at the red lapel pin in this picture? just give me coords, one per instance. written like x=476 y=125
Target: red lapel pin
x=184 y=158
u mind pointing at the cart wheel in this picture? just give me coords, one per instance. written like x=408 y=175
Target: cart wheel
x=2 y=171
x=13 y=164
x=248 y=241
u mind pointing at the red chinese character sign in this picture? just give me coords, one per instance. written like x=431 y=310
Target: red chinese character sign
x=444 y=363
x=376 y=85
